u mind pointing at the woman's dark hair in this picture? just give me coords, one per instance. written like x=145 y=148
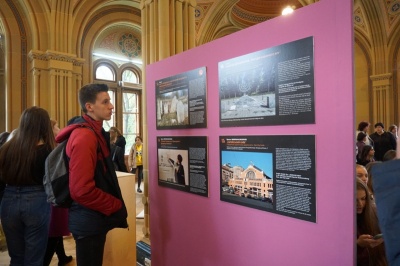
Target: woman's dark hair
x=367 y=223
x=361 y=136
x=19 y=154
x=365 y=152
x=362 y=125
x=179 y=158
x=139 y=137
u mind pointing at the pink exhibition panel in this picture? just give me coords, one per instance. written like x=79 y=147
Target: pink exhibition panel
x=188 y=229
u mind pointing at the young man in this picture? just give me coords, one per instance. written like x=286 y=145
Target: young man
x=98 y=205
x=383 y=141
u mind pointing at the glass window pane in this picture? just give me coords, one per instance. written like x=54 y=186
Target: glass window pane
x=130 y=118
x=105 y=73
x=129 y=76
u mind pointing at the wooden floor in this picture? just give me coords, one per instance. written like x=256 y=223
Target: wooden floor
x=69 y=243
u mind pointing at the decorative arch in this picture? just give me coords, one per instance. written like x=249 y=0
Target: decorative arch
x=16 y=82
x=94 y=27
x=135 y=69
x=213 y=20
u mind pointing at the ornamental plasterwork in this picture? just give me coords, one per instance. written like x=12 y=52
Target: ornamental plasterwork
x=392 y=12
x=52 y=55
x=129 y=45
x=359 y=20
x=120 y=43
x=109 y=42
x=200 y=13
x=381 y=77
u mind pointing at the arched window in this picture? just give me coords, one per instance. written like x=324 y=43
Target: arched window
x=105 y=72
x=125 y=94
x=251 y=175
x=130 y=76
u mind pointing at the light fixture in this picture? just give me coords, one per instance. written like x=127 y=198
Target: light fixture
x=136 y=61
x=287 y=10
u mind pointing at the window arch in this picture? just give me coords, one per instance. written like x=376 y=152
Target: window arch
x=251 y=175
x=125 y=91
x=128 y=75
x=105 y=72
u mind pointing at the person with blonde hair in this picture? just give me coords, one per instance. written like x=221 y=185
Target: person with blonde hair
x=117 y=138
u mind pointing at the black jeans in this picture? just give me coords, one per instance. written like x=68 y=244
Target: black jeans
x=139 y=174
x=90 y=250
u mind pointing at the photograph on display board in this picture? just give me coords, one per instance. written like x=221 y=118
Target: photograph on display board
x=274 y=86
x=270 y=173
x=182 y=164
x=181 y=100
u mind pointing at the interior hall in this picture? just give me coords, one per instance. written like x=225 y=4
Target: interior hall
x=49 y=49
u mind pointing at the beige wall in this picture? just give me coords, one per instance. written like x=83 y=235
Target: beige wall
x=362 y=108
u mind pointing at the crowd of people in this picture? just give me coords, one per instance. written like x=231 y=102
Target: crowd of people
x=371 y=150
x=29 y=222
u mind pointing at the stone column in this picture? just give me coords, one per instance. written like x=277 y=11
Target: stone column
x=56 y=78
x=168 y=28
x=382 y=94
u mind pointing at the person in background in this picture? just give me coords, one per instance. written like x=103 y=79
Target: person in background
x=366 y=156
x=3 y=139
x=362 y=173
x=58 y=227
x=117 y=138
x=363 y=127
x=393 y=130
x=97 y=205
x=361 y=139
x=383 y=141
x=117 y=156
x=135 y=160
x=25 y=212
x=370 y=251
x=179 y=171
x=389 y=155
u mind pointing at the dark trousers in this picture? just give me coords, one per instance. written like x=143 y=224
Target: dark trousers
x=54 y=244
x=90 y=250
x=139 y=173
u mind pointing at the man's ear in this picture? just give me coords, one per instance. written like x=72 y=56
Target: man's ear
x=88 y=107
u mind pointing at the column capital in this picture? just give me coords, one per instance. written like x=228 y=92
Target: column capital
x=381 y=80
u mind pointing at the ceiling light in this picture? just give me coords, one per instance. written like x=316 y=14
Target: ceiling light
x=287 y=10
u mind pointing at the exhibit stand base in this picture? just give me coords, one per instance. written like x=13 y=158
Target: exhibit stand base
x=120 y=244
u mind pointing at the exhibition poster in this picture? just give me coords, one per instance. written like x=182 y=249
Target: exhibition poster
x=274 y=86
x=270 y=173
x=181 y=100
x=182 y=164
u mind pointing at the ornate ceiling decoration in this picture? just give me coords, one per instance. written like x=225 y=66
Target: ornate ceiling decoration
x=251 y=12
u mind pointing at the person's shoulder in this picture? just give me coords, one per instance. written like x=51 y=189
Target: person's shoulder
x=83 y=134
